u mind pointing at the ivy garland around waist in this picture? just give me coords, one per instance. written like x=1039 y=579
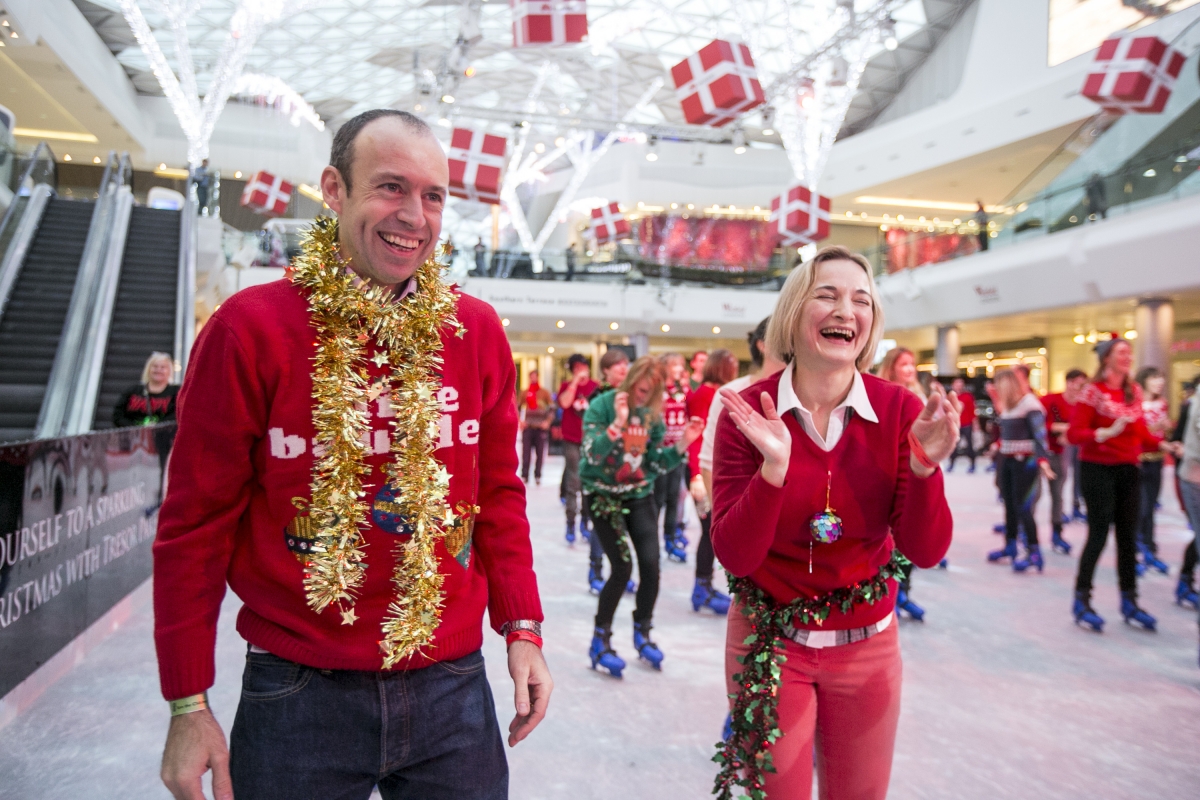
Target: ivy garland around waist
x=746 y=754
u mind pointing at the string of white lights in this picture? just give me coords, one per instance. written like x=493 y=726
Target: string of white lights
x=278 y=94
x=811 y=93
x=198 y=117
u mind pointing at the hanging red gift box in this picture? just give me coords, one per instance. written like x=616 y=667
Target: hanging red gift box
x=609 y=223
x=800 y=217
x=538 y=23
x=717 y=84
x=476 y=161
x=1133 y=74
x=267 y=194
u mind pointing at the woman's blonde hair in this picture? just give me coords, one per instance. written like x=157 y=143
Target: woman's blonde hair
x=1008 y=389
x=156 y=356
x=781 y=331
x=646 y=367
x=887 y=370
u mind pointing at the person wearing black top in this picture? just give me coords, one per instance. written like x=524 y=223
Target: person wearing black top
x=149 y=403
x=153 y=400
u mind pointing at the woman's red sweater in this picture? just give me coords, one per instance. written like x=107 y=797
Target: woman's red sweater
x=761 y=531
x=243 y=461
x=1098 y=407
x=698 y=404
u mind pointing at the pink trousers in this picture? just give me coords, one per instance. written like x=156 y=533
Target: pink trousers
x=843 y=700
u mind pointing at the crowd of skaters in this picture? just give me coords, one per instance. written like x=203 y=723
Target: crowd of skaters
x=1111 y=433
x=1026 y=441
x=822 y=482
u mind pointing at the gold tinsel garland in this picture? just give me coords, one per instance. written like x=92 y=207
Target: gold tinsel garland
x=408 y=335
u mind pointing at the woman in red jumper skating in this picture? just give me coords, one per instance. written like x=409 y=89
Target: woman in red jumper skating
x=820 y=475
x=1109 y=426
x=899 y=366
x=720 y=369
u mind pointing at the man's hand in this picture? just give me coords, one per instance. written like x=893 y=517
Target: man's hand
x=532 y=685
x=196 y=744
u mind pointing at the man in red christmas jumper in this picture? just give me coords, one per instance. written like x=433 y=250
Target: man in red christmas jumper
x=346 y=463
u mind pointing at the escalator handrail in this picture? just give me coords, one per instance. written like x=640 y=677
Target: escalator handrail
x=81 y=406
x=185 y=290
x=41 y=152
x=39 y=195
x=63 y=374
x=18 y=247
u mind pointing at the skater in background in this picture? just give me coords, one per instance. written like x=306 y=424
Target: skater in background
x=622 y=455
x=573 y=400
x=1150 y=465
x=667 y=485
x=899 y=366
x=721 y=368
x=1109 y=426
x=614 y=365
x=699 y=359
x=762 y=365
x=1058 y=419
x=966 y=426
x=1022 y=423
x=1185 y=590
x=820 y=473
x=537 y=415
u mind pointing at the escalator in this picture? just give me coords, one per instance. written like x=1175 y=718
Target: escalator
x=88 y=290
x=36 y=312
x=144 y=313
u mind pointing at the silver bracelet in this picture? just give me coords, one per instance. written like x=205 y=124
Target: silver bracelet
x=531 y=625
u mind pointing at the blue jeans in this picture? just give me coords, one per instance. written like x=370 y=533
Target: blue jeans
x=334 y=735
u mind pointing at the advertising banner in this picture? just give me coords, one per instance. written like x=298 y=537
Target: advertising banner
x=77 y=519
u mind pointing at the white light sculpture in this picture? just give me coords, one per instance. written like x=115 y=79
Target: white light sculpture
x=579 y=147
x=812 y=90
x=198 y=117
x=278 y=94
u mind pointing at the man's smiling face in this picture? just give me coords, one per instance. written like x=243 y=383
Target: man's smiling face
x=390 y=212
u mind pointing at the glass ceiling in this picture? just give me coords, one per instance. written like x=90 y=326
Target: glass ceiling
x=345 y=56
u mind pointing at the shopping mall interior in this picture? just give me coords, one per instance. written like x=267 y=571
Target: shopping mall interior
x=628 y=182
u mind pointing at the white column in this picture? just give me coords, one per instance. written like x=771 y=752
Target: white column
x=945 y=360
x=1154 y=321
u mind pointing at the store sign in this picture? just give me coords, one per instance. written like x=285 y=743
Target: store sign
x=987 y=294
x=77 y=519
x=609 y=268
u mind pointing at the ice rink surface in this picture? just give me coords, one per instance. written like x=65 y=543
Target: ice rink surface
x=1003 y=696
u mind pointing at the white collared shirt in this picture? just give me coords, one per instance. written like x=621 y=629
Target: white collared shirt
x=857 y=399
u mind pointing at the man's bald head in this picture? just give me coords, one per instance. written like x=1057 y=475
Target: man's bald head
x=341 y=155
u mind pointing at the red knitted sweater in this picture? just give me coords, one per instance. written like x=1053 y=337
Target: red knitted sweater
x=244 y=452
x=761 y=531
x=1098 y=407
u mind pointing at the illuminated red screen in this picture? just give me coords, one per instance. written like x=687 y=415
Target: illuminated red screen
x=722 y=245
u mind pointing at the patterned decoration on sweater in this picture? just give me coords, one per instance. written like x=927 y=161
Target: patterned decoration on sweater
x=746 y=754
x=1094 y=395
x=407 y=333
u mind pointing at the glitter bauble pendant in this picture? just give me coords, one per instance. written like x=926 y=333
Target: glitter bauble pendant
x=388 y=514
x=825 y=527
